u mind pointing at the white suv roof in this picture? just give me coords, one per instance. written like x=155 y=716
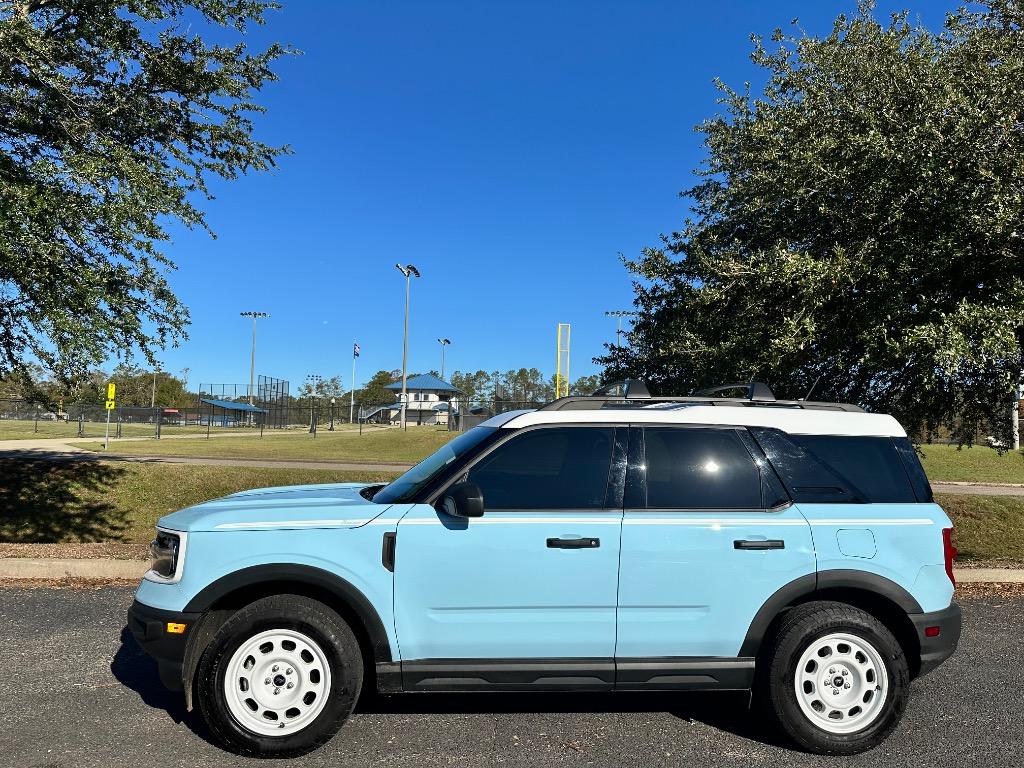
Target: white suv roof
x=792 y=420
x=630 y=402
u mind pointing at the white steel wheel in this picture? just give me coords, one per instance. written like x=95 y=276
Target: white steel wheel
x=841 y=683
x=277 y=682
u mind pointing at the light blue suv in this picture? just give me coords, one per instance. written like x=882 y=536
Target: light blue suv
x=608 y=543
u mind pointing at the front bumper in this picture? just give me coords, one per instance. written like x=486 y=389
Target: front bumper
x=935 y=650
x=150 y=629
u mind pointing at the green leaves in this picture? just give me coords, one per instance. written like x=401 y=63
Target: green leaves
x=113 y=118
x=857 y=221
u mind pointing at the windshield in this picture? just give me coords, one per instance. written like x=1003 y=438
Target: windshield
x=405 y=487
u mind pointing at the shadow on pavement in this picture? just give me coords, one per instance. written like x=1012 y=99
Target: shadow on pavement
x=51 y=501
x=134 y=669
x=727 y=711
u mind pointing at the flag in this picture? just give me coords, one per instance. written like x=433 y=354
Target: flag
x=355 y=349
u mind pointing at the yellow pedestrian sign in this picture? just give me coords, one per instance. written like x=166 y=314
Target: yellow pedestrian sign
x=111 y=405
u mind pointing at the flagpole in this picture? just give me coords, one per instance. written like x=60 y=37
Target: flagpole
x=352 y=392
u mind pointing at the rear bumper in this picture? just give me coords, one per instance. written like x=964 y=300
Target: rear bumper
x=149 y=627
x=935 y=650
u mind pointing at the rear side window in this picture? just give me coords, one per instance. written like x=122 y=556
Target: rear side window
x=871 y=464
x=699 y=469
x=918 y=479
x=553 y=468
x=831 y=469
x=806 y=477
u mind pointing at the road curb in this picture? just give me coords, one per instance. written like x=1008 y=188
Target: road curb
x=99 y=568
x=68 y=568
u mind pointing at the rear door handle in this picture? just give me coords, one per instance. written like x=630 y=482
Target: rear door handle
x=574 y=543
x=759 y=544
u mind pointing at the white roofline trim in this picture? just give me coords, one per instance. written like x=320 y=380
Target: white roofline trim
x=793 y=420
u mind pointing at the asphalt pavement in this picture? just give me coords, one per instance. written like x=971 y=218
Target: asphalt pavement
x=77 y=691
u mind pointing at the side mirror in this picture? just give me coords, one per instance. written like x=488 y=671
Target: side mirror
x=463 y=499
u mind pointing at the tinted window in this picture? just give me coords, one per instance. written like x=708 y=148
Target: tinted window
x=406 y=487
x=554 y=468
x=806 y=478
x=871 y=464
x=699 y=469
x=918 y=479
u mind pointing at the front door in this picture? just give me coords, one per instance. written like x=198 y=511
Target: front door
x=526 y=594
x=708 y=537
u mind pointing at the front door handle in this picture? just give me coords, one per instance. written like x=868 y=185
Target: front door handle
x=574 y=543
x=759 y=544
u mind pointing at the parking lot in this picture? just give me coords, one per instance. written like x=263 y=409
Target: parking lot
x=77 y=691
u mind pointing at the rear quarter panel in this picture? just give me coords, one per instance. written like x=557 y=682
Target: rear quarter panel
x=907 y=545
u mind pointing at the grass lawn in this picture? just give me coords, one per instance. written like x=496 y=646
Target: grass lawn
x=25 y=429
x=979 y=464
x=987 y=529
x=387 y=445
x=45 y=501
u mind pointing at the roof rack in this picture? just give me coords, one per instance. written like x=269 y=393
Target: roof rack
x=630 y=393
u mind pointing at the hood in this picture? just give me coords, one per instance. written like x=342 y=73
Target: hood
x=336 y=505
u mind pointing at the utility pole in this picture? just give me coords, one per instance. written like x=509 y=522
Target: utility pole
x=252 y=354
x=444 y=343
x=409 y=271
x=152 y=398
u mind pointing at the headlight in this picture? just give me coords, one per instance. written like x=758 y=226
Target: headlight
x=168 y=551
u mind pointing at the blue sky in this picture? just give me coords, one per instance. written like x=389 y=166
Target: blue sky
x=509 y=150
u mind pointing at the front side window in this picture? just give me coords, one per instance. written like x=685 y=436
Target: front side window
x=699 y=469
x=408 y=486
x=550 y=468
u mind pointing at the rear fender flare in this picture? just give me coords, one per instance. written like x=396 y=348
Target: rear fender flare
x=801 y=589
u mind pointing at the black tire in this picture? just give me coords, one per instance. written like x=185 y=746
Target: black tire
x=776 y=684
x=299 y=614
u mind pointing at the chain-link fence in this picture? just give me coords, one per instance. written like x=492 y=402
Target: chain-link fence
x=20 y=418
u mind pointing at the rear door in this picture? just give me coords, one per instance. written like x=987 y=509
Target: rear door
x=526 y=593
x=708 y=536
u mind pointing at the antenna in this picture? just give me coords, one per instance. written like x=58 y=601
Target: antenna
x=815 y=384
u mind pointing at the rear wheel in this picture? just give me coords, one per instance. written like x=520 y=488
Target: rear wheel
x=836 y=678
x=280 y=677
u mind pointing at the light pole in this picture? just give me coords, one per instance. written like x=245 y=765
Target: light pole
x=618 y=314
x=409 y=271
x=444 y=343
x=313 y=381
x=331 y=428
x=252 y=356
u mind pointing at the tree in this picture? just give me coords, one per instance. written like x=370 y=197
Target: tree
x=135 y=389
x=857 y=228
x=474 y=386
x=585 y=385
x=114 y=116
x=375 y=391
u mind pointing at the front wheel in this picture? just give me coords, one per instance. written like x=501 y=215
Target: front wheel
x=280 y=677
x=836 y=679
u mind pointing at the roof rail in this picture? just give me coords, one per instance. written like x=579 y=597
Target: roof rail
x=631 y=393
x=631 y=389
x=755 y=390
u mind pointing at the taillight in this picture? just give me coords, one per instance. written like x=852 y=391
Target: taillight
x=948 y=552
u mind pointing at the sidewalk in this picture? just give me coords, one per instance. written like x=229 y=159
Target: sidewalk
x=60 y=568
